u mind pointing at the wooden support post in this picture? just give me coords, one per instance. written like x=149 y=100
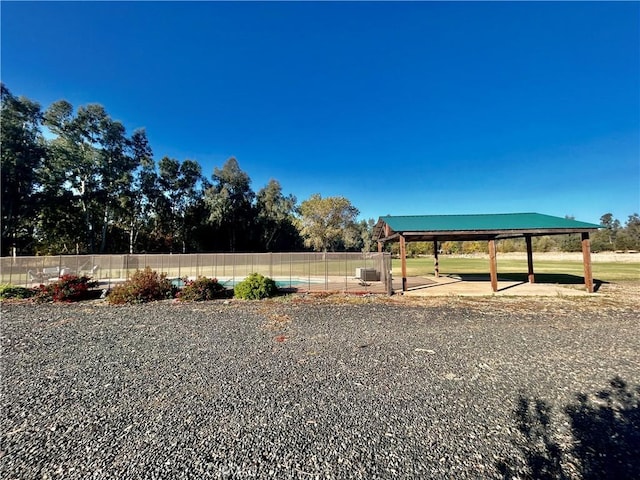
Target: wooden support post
x=436 y=264
x=586 y=260
x=493 y=265
x=403 y=260
x=380 y=247
x=530 y=259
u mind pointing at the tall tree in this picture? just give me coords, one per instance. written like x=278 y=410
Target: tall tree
x=93 y=154
x=276 y=217
x=326 y=221
x=632 y=227
x=604 y=239
x=182 y=188
x=230 y=202
x=365 y=232
x=136 y=203
x=21 y=155
x=611 y=225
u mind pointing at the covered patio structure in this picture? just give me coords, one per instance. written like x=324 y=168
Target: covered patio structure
x=488 y=227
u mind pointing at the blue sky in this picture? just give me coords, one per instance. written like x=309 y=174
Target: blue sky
x=403 y=108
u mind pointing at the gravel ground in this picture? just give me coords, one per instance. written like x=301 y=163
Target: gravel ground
x=317 y=389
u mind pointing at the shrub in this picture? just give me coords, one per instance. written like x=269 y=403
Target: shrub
x=255 y=287
x=69 y=288
x=11 y=291
x=143 y=286
x=201 y=289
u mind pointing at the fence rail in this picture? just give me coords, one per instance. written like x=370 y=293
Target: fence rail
x=304 y=271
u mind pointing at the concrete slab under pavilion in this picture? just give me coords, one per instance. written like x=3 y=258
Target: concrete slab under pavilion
x=491 y=228
x=476 y=285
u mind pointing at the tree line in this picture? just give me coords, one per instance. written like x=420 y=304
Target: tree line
x=88 y=186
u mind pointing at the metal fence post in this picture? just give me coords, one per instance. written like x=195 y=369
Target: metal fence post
x=346 y=270
x=326 y=272
x=389 y=274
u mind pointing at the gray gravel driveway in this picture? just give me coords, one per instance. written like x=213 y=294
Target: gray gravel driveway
x=304 y=390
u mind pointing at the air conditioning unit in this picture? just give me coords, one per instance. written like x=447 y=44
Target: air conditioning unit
x=367 y=274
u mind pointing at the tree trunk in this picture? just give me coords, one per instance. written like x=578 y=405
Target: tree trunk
x=103 y=233
x=131 y=239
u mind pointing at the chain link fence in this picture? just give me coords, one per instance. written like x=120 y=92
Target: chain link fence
x=353 y=272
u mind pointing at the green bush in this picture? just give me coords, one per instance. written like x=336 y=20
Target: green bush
x=8 y=291
x=255 y=287
x=201 y=289
x=143 y=286
x=69 y=288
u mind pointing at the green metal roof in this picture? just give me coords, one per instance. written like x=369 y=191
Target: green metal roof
x=488 y=222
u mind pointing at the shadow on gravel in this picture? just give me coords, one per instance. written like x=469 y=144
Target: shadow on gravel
x=605 y=431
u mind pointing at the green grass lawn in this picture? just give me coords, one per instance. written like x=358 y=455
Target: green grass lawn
x=545 y=270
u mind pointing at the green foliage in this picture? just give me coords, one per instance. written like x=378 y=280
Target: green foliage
x=69 y=288
x=21 y=156
x=327 y=221
x=543 y=244
x=8 y=291
x=181 y=191
x=91 y=154
x=570 y=243
x=255 y=287
x=275 y=215
x=512 y=245
x=89 y=186
x=143 y=286
x=230 y=203
x=415 y=249
x=201 y=289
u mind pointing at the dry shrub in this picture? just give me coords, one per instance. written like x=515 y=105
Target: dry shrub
x=143 y=286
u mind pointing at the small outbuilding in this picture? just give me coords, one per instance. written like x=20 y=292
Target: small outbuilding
x=488 y=227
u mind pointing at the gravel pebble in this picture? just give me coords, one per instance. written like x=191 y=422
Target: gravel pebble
x=288 y=390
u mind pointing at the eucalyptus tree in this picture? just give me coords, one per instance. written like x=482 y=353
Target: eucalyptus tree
x=276 y=218
x=136 y=204
x=230 y=203
x=365 y=235
x=182 y=188
x=92 y=154
x=22 y=151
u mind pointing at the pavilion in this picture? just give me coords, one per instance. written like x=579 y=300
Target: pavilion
x=489 y=227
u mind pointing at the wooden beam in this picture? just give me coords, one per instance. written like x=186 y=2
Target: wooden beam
x=493 y=265
x=380 y=246
x=436 y=264
x=530 y=259
x=403 y=260
x=394 y=236
x=586 y=260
